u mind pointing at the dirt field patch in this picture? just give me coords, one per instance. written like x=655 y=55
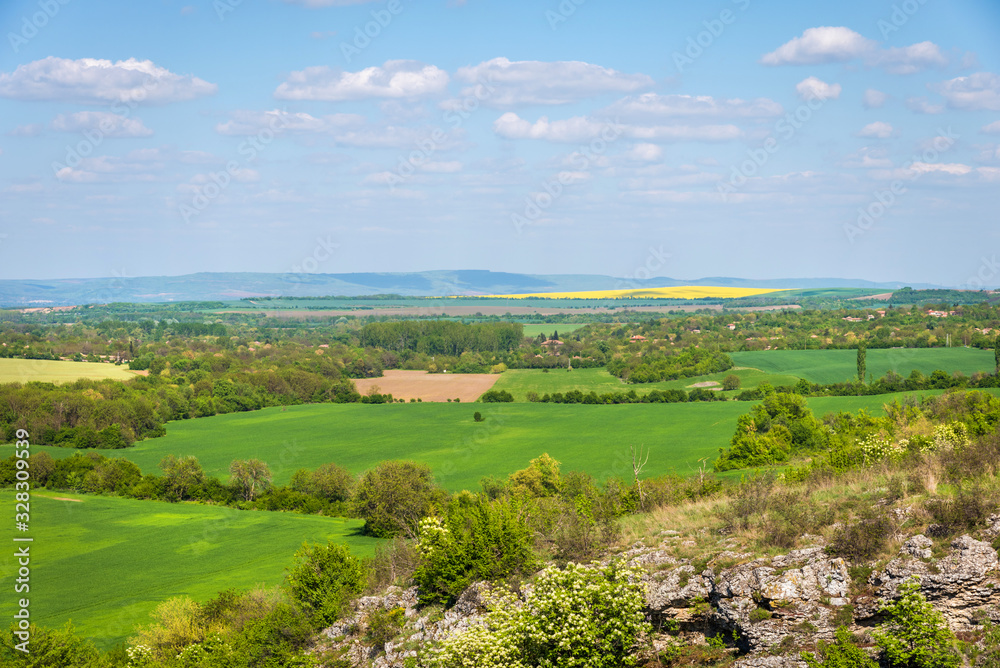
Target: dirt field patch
x=429 y=386
x=706 y=383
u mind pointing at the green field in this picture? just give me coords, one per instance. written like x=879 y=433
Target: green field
x=56 y=371
x=106 y=563
x=594 y=439
x=838 y=366
x=521 y=381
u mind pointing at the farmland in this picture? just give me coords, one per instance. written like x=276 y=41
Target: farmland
x=105 y=563
x=837 y=366
x=521 y=381
x=594 y=439
x=13 y=370
x=428 y=386
x=679 y=292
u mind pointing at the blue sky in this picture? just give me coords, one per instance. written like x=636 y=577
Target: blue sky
x=730 y=138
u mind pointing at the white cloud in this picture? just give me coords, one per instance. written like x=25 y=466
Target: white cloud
x=252 y=122
x=991 y=129
x=874 y=99
x=395 y=79
x=654 y=106
x=813 y=88
x=645 y=153
x=817 y=46
x=579 y=129
x=240 y=175
x=868 y=158
x=105 y=122
x=837 y=44
x=32 y=130
x=908 y=59
x=976 y=92
x=945 y=167
x=922 y=106
x=92 y=81
x=504 y=83
x=877 y=129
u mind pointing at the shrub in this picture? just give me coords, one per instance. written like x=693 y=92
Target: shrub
x=497 y=396
x=589 y=616
x=863 y=539
x=915 y=634
x=324 y=578
x=488 y=540
x=477 y=416
x=731 y=382
x=843 y=653
x=384 y=625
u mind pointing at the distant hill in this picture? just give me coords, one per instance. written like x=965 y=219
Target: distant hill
x=231 y=286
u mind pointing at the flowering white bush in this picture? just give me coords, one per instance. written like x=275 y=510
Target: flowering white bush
x=431 y=534
x=954 y=435
x=580 y=617
x=876 y=448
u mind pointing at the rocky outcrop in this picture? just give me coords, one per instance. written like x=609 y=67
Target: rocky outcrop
x=772 y=605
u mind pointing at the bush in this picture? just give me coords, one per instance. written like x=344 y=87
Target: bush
x=384 y=625
x=488 y=540
x=589 y=616
x=863 y=539
x=731 y=382
x=477 y=416
x=497 y=396
x=915 y=635
x=843 y=653
x=323 y=580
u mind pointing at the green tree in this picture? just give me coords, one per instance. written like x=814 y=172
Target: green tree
x=996 y=353
x=862 y=362
x=541 y=478
x=731 y=382
x=180 y=475
x=915 y=634
x=250 y=477
x=324 y=578
x=394 y=496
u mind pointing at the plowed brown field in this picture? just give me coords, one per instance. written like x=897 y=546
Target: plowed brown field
x=429 y=386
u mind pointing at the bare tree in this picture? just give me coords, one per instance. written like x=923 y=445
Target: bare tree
x=638 y=462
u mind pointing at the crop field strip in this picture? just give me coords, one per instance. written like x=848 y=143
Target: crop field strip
x=106 y=562
x=15 y=370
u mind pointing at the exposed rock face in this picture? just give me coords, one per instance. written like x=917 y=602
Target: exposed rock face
x=771 y=603
x=962 y=582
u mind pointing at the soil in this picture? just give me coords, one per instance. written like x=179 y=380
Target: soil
x=429 y=386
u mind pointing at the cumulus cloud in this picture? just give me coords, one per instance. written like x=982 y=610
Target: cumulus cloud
x=93 y=81
x=991 y=129
x=394 y=79
x=30 y=130
x=252 y=122
x=104 y=122
x=654 y=106
x=976 y=92
x=813 y=88
x=501 y=82
x=838 y=44
x=579 y=129
x=816 y=46
x=874 y=99
x=877 y=129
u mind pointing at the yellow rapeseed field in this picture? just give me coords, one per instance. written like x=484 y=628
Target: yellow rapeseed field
x=679 y=292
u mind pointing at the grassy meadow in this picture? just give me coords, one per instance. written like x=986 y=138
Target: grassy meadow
x=678 y=292
x=837 y=366
x=105 y=563
x=14 y=370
